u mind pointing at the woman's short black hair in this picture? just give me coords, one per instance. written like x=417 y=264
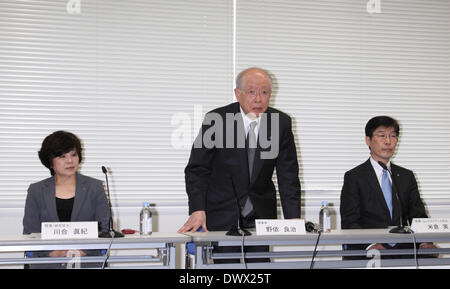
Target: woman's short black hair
x=381 y=120
x=57 y=144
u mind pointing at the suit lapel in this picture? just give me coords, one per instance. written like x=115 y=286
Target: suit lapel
x=80 y=196
x=376 y=188
x=239 y=134
x=50 y=198
x=258 y=162
x=395 y=210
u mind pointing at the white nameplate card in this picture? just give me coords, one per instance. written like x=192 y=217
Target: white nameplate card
x=431 y=225
x=69 y=230
x=280 y=227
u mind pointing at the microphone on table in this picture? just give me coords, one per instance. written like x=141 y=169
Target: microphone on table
x=311 y=227
x=237 y=230
x=399 y=229
x=111 y=233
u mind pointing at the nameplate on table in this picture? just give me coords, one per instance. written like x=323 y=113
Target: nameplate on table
x=431 y=225
x=280 y=227
x=69 y=230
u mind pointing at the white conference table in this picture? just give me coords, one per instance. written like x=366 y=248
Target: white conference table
x=325 y=258
x=164 y=243
x=298 y=254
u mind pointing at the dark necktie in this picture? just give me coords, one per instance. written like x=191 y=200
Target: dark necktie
x=248 y=206
x=251 y=147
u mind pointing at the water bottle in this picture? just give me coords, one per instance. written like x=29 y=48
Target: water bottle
x=146 y=219
x=324 y=218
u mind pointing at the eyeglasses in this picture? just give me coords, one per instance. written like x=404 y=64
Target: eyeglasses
x=392 y=136
x=261 y=92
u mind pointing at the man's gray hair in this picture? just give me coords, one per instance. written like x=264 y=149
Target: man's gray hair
x=243 y=72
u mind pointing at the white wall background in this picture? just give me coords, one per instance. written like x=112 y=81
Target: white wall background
x=133 y=79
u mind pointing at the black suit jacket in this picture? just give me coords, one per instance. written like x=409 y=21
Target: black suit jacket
x=363 y=205
x=212 y=170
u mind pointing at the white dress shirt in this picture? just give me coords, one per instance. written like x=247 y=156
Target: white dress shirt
x=379 y=170
x=247 y=120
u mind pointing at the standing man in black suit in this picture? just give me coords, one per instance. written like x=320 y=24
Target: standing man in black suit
x=237 y=149
x=367 y=200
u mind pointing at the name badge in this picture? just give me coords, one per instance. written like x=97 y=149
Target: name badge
x=280 y=227
x=431 y=225
x=69 y=230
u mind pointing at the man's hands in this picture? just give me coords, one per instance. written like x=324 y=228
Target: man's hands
x=422 y=246
x=381 y=247
x=427 y=246
x=196 y=220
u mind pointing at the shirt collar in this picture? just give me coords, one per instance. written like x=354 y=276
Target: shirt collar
x=247 y=120
x=377 y=167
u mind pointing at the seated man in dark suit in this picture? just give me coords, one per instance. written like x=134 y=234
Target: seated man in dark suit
x=367 y=200
x=249 y=140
